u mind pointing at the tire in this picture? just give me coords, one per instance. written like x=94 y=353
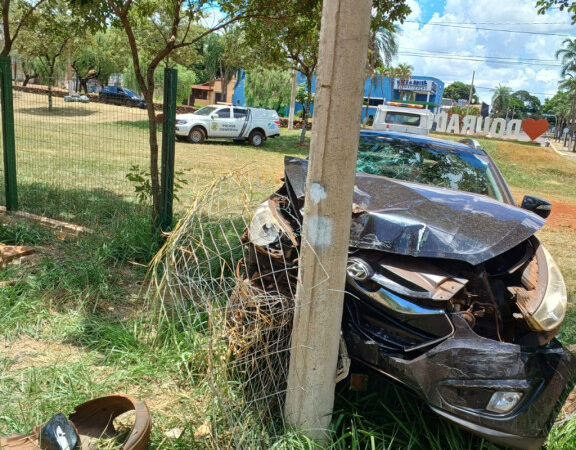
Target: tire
x=197 y=135
x=256 y=139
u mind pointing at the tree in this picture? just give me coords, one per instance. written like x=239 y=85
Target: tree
x=460 y=91
x=293 y=42
x=544 y=5
x=525 y=104
x=501 y=100
x=46 y=35
x=403 y=73
x=568 y=60
x=382 y=48
x=268 y=88
x=391 y=73
x=15 y=15
x=161 y=32
x=560 y=106
x=97 y=56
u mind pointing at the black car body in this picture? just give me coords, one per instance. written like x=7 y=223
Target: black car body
x=448 y=290
x=121 y=96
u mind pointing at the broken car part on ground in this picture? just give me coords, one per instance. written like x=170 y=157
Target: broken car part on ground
x=448 y=290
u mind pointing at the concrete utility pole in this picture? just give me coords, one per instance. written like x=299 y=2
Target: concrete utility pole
x=293 y=99
x=327 y=215
x=470 y=93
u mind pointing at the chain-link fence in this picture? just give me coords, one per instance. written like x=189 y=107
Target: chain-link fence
x=73 y=154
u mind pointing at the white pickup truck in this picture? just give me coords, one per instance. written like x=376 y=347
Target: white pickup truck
x=228 y=122
x=403 y=118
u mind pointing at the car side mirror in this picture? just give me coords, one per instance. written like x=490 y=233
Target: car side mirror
x=536 y=205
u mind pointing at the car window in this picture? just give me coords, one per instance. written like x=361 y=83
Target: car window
x=206 y=111
x=427 y=164
x=130 y=93
x=223 y=113
x=401 y=118
x=239 y=113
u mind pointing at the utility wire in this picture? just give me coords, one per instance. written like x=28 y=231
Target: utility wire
x=479 y=59
x=450 y=25
x=507 y=58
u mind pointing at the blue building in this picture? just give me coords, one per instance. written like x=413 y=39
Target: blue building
x=416 y=89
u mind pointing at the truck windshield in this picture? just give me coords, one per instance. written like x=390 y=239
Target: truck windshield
x=403 y=118
x=428 y=165
x=206 y=111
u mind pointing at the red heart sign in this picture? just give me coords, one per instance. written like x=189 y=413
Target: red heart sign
x=535 y=128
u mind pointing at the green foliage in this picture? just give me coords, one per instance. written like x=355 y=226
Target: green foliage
x=501 y=100
x=570 y=6
x=459 y=90
x=268 y=88
x=304 y=97
x=143 y=188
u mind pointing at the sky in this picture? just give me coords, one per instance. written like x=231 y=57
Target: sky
x=463 y=43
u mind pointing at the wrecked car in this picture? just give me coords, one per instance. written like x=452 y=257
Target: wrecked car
x=449 y=292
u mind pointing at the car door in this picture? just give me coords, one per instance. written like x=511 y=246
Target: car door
x=240 y=120
x=222 y=123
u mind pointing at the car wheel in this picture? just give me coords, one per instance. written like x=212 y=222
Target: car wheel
x=256 y=138
x=197 y=135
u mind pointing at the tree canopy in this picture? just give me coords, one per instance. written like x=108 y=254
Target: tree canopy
x=460 y=91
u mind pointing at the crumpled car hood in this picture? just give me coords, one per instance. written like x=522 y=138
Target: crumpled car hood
x=427 y=221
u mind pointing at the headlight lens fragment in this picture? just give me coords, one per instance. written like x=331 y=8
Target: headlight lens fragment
x=264 y=229
x=551 y=311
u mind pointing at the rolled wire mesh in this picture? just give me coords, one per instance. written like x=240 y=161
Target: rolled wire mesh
x=235 y=307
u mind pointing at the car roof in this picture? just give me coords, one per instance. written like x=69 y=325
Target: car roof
x=425 y=140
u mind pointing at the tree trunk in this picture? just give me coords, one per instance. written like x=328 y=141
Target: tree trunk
x=368 y=101
x=27 y=79
x=50 y=96
x=306 y=108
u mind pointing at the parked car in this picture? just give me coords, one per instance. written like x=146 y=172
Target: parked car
x=121 y=96
x=254 y=125
x=448 y=289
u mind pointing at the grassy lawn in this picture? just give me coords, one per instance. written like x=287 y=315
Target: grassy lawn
x=67 y=318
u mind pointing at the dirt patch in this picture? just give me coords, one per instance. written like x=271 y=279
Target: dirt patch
x=563 y=216
x=26 y=353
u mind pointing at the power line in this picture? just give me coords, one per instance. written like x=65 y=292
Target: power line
x=507 y=58
x=493 y=59
x=451 y=25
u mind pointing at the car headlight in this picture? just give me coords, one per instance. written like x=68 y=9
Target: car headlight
x=550 y=313
x=264 y=229
x=181 y=122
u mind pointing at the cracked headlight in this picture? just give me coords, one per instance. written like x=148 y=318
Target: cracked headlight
x=264 y=229
x=551 y=311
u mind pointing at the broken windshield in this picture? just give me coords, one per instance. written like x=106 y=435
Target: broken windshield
x=426 y=164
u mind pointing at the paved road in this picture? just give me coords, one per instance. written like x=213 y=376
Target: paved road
x=558 y=148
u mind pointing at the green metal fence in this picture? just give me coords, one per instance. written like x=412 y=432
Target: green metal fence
x=72 y=157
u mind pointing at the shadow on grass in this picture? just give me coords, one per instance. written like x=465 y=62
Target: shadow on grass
x=88 y=207
x=58 y=111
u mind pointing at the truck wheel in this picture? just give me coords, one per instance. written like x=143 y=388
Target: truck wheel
x=197 y=135
x=256 y=139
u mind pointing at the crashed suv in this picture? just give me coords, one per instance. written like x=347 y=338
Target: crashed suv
x=448 y=290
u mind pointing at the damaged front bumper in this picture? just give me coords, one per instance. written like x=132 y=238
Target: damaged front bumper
x=462 y=377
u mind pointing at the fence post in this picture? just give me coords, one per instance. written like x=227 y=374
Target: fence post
x=8 y=140
x=168 y=137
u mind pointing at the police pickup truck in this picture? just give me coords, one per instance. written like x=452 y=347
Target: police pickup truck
x=228 y=122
